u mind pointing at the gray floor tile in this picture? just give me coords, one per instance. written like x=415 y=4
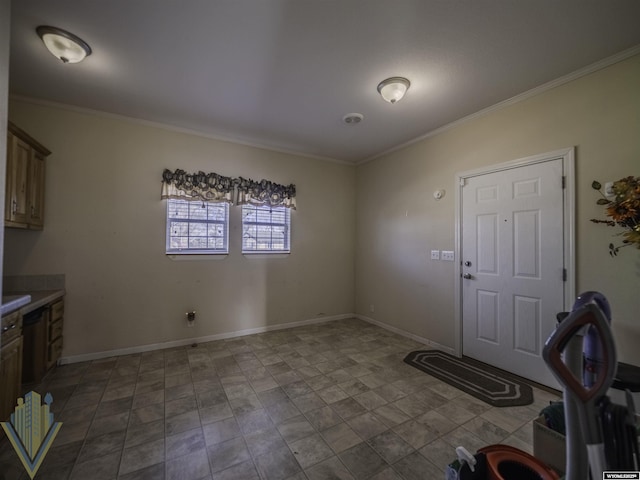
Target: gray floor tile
x=486 y=430
x=226 y=454
x=101 y=468
x=148 y=398
x=143 y=433
x=178 y=391
x=72 y=433
x=142 y=456
x=95 y=447
x=348 y=408
x=362 y=461
x=254 y=420
x=439 y=452
x=112 y=423
x=332 y=394
x=367 y=425
x=180 y=405
x=436 y=422
x=390 y=446
x=282 y=411
x=263 y=441
x=221 y=431
x=182 y=422
x=416 y=467
x=295 y=429
x=279 y=464
x=323 y=418
x=341 y=437
x=154 y=472
x=215 y=413
x=58 y=455
x=415 y=434
x=114 y=407
x=330 y=469
x=310 y=450
x=147 y=414
x=391 y=415
x=370 y=400
x=308 y=401
x=191 y=466
x=242 y=471
x=388 y=474
x=182 y=443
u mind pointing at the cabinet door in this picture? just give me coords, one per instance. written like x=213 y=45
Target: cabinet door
x=36 y=190
x=17 y=208
x=10 y=376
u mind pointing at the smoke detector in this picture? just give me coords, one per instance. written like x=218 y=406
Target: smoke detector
x=352 y=118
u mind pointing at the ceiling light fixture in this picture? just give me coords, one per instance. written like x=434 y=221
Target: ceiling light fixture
x=63 y=45
x=393 y=89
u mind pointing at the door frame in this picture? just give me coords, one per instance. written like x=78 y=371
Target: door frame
x=567 y=155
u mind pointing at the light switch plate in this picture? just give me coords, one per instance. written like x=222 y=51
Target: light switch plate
x=435 y=254
x=447 y=255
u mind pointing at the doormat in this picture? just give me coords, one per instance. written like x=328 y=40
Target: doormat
x=491 y=385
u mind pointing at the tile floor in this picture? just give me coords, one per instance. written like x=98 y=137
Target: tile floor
x=329 y=401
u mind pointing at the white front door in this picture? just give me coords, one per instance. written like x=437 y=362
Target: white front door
x=512 y=266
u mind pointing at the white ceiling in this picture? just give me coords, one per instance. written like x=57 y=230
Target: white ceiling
x=282 y=73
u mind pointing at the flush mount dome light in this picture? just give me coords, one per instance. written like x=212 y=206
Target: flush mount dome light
x=393 y=89
x=63 y=45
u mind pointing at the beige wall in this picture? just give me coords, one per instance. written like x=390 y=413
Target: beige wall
x=105 y=229
x=399 y=222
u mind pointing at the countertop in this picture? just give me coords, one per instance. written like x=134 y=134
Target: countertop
x=38 y=299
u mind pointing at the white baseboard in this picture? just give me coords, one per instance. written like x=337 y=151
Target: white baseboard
x=417 y=338
x=85 y=357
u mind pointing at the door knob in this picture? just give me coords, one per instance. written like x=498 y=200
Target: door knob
x=467 y=263
x=467 y=276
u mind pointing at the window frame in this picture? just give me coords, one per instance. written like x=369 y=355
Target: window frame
x=286 y=224
x=207 y=222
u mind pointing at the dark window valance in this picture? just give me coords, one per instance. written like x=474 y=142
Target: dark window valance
x=211 y=187
x=265 y=192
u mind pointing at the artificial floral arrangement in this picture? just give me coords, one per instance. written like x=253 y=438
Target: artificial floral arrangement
x=623 y=210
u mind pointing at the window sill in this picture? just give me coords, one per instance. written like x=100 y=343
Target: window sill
x=182 y=257
x=266 y=254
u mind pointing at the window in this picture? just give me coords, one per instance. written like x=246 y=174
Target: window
x=265 y=229
x=196 y=227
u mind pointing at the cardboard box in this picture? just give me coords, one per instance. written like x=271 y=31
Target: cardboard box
x=549 y=446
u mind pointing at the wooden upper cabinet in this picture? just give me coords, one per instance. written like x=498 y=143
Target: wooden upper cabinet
x=24 y=200
x=36 y=194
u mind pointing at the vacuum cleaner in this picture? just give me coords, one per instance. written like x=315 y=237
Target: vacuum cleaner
x=600 y=436
x=581 y=354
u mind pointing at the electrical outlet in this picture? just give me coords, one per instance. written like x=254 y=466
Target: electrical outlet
x=435 y=254
x=447 y=255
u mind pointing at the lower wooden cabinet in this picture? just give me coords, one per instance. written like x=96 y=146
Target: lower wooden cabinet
x=10 y=376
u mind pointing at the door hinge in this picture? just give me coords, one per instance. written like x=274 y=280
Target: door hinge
x=564 y=182
x=564 y=274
